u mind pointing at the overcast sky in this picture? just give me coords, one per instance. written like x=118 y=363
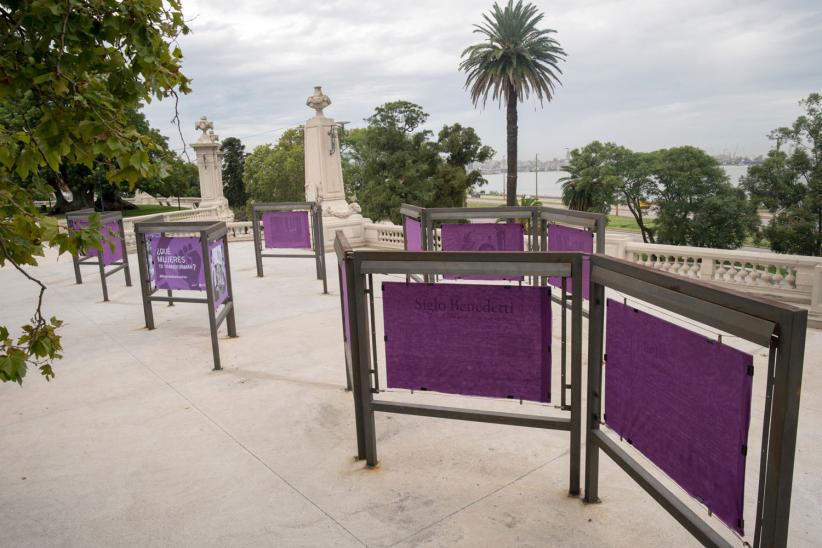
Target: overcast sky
x=718 y=74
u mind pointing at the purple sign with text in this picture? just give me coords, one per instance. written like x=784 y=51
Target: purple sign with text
x=565 y=238
x=110 y=239
x=177 y=263
x=477 y=340
x=483 y=237
x=286 y=229
x=682 y=400
x=219 y=276
x=413 y=234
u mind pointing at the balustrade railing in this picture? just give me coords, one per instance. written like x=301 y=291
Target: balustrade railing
x=786 y=277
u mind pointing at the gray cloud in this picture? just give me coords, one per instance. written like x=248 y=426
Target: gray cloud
x=647 y=74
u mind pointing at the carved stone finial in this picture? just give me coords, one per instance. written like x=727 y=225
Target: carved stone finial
x=213 y=137
x=318 y=101
x=204 y=125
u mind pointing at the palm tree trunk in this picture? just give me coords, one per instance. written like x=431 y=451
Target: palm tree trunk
x=511 y=186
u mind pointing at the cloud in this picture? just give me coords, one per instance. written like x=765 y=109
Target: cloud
x=647 y=74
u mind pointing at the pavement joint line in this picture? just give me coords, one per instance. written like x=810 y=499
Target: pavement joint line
x=480 y=499
x=229 y=435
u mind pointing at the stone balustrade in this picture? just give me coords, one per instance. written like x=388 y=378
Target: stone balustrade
x=793 y=278
x=200 y=214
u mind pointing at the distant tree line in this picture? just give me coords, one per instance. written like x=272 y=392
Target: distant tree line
x=693 y=201
x=388 y=162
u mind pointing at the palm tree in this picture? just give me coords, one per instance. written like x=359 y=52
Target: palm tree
x=514 y=60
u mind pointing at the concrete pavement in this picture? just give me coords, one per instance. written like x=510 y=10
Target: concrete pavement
x=138 y=443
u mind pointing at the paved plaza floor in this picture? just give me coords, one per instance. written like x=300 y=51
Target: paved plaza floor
x=137 y=442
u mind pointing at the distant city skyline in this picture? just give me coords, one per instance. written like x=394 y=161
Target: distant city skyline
x=714 y=74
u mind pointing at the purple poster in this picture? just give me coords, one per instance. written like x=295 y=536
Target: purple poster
x=178 y=263
x=219 y=278
x=564 y=238
x=483 y=237
x=682 y=400
x=413 y=234
x=109 y=238
x=286 y=229
x=477 y=340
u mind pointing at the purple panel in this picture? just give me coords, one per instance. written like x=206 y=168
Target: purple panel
x=178 y=263
x=483 y=237
x=684 y=401
x=219 y=276
x=286 y=229
x=110 y=236
x=478 y=340
x=413 y=234
x=564 y=238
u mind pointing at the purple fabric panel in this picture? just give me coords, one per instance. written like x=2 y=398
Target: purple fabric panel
x=413 y=234
x=219 y=276
x=683 y=401
x=178 y=263
x=286 y=229
x=478 y=340
x=110 y=237
x=483 y=237
x=565 y=238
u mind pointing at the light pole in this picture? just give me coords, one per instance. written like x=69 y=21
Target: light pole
x=536 y=175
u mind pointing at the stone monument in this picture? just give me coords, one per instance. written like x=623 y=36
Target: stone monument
x=323 y=174
x=210 y=166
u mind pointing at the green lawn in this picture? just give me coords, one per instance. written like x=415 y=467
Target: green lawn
x=625 y=223
x=148 y=210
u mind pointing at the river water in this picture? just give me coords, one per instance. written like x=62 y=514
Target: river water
x=549 y=185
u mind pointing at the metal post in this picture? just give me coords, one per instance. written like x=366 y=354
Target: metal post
x=340 y=266
x=255 y=229
x=356 y=357
x=231 y=323
x=576 y=373
x=78 y=278
x=212 y=318
x=126 y=268
x=784 y=418
x=374 y=365
x=564 y=346
x=145 y=282
x=596 y=315
x=363 y=369
x=102 y=274
x=322 y=271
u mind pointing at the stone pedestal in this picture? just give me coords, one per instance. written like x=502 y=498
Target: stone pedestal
x=210 y=166
x=323 y=174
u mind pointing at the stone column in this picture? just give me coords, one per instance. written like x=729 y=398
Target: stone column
x=210 y=166
x=323 y=174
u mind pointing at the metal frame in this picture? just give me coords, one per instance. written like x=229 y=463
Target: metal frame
x=427 y=216
x=779 y=326
x=317 y=239
x=207 y=231
x=360 y=265
x=592 y=222
x=105 y=218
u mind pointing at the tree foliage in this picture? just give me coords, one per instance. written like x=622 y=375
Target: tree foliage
x=592 y=178
x=72 y=72
x=392 y=161
x=233 y=160
x=685 y=188
x=276 y=173
x=514 y=60
x=789 y=183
